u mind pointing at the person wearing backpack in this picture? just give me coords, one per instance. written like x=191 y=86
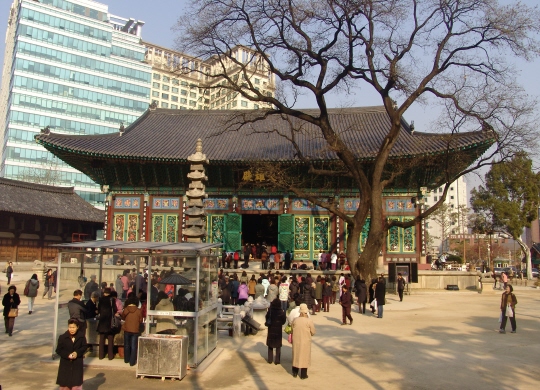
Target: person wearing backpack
x=31 y=291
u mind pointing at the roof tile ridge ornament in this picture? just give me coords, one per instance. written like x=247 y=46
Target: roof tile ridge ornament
x=195 y=213
x=122 y=129
x=46 y=130
x=153 y=106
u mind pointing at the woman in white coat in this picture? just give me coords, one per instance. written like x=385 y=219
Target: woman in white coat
x=303 y=330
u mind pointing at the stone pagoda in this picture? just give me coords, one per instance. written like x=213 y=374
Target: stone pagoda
x=195 y=223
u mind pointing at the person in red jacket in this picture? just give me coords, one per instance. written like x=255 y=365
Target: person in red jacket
x=345 y=302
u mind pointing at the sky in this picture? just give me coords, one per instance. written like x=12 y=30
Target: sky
x=161 y=15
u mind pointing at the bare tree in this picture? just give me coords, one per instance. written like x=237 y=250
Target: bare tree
x=446 y=217
x=449 y=55
x=46 y=174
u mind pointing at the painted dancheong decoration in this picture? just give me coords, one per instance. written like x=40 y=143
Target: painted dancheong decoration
x=195 y=213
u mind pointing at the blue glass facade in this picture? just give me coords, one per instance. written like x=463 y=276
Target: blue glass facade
x=75 y=69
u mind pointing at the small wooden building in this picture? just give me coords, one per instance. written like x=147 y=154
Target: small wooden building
x=34 y=216
x=143 y=169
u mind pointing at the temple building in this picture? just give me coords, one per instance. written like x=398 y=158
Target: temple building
x=34 y=217
x=143 y=170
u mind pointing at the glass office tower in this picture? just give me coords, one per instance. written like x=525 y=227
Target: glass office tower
x=71 y=66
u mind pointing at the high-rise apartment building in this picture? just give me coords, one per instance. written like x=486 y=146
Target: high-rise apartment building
x=73 y=67
x=180 y=81
x=455 y=222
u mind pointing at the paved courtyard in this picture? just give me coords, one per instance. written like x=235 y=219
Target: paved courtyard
x=432 y=340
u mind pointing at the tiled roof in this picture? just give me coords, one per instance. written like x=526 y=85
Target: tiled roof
x=46 y=201
x=170 y=135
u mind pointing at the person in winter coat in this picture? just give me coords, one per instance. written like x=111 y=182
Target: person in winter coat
x=31 y=291
x=380 y=295
x=400 y=286
x=307 y=297
x=9 y=272
x=508 y=309
x=234 y=289
x=226 y=292
x=361 y=294
x=345 y=300
x=251 y=286
x=49 y=284
x=133 y=318
x=164 y=323
x=243 y=293
x=77 y=311
x=106 y=310
x=335 y=289
x=90 y=287
x=10 y=301
x=326 y=294
x=272 y=292
x=91 y=306
x=71 y=348
x=371 y=291
x=303 y=331
x=259 y=290
x=264 y=260
x=318 y=293
x=277 y=318
x=284 y=293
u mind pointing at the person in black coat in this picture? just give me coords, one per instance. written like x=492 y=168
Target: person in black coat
x=380 y=295
x=371 y=291
x=71 y=348
x=277 y=318
x=10 y=301
x=400 y=286
x=307 y=296
x=361 y=294
x=106 y=309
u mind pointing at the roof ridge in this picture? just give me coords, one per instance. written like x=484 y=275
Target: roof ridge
x=36 y=186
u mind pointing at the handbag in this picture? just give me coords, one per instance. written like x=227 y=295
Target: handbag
x=268 y=321
x=290 y=338
x=509 y=311
x=13 y=313
x=288 y=329
x=373 y=303
x=27 y=289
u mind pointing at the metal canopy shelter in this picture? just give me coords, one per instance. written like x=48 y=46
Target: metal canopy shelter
x=206 y=271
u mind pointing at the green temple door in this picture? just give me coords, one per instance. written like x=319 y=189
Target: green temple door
x=286 y=232
x=233 y=232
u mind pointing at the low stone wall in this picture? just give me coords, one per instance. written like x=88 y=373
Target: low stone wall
x=438 y=280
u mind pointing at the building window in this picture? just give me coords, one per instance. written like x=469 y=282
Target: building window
x=174 y=98
x=175 y=82
x=183 y=101
x=228 y=106
x=183 y=92
x=157 y=76
x=451 y=188
x=193 y=103
x=166 y=79
x=183 y=83
x=440 y=189
x=452 y=197
x=256 y=106
x=174 y=107
x=234 y=103
x=165 y=96
x=164 y=105
x=156 y=85
x=257 y=81
x=174 y=90
x=165 y=87
x=434 y=198
x=192 y=95
x=244 y=103
x=155 y=93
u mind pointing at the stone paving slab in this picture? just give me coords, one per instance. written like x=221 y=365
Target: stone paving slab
x=443 y=340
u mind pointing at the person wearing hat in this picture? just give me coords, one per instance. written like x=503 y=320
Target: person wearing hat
x=90 y=287
x=303 y=330
x=276 y=317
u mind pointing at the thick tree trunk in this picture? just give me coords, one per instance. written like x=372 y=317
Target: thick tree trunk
x=353 y=239
x=527 y=252
x=367 y=263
